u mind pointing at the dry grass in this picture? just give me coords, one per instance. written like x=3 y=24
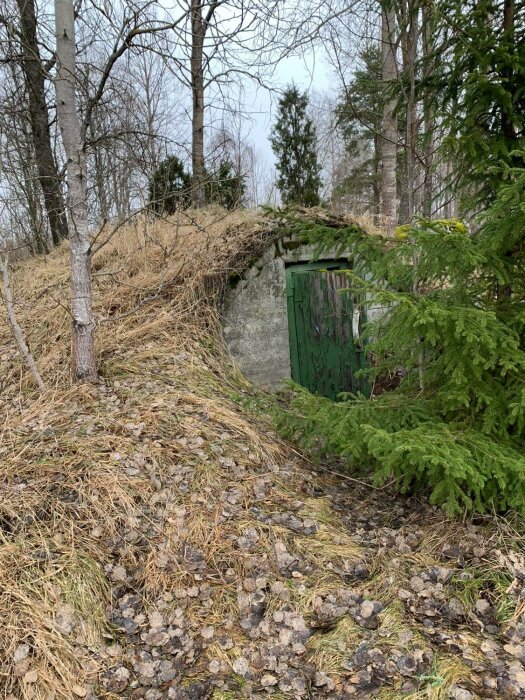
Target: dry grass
x=445 y=674
x=331 y=651
x=64 y=487
x=67 y=478
x=153 y=451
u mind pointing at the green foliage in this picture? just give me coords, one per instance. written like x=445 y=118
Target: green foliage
x=224 y=186
x=478 y=79
x=489 y=583
x=359 y=117
x=169 y=187
x=294 y=142
x=454 y=308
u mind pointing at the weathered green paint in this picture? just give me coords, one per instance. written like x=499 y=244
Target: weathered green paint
x=324 y=354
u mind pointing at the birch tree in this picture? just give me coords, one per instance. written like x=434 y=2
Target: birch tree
x=23 y=209
x=135 y=24
x=83 y=323
x=222 y=46
x=16 y=329
x=33 y=199
x=389 y=135
x=199 y=25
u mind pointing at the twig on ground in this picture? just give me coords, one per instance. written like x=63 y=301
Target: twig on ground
x=15 y=327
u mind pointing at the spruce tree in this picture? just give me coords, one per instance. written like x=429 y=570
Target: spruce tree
x=454 y=428
x=478 y=73
x=225 y=186
x=294 y=142
x=460 y=439
x=359 y=115
x=169 y=187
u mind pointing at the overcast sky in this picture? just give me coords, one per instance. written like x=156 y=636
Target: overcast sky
x=309 y=72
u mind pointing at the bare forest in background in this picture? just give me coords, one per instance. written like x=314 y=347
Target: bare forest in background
x=107 y=110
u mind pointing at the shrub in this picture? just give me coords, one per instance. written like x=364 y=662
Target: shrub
x=455 y=320
x=225 y=187
x=169 y=187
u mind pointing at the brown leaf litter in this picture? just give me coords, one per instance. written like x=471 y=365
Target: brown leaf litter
x=158 y=541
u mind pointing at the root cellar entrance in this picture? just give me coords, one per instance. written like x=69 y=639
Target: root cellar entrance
x=286 y=318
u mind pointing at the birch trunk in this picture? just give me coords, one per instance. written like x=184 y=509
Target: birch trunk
x=39 y=119
x=389 y=122
x=198 y=31
x=411 y=120
x=83 y=325
x=411 y=135
x=15 y=327
x=428 y=117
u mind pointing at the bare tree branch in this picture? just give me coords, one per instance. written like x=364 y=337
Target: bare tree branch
x=18 y=333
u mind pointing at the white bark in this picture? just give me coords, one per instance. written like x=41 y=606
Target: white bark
x=428 y=119
x=411 y=107
x=83 y=332
x=389 y=127
x=15 y=327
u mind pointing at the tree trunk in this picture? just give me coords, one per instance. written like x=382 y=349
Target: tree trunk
x=509 y=9
x=99 y=175
x=428 y=117
x=198 y=31
x=39 y=118
x=402 y=15
x=15 y=327
x=83 y=332
x=376 y=189
x=411 y=136
x=389 y=125
x=411 y=117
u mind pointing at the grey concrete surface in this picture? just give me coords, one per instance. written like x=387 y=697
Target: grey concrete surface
x=256 y=317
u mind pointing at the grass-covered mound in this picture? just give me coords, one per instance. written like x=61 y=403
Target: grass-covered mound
x=158 y=541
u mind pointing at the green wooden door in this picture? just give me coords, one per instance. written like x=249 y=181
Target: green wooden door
x=324 y=353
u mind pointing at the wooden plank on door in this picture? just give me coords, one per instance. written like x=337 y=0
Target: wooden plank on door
x=327 y=356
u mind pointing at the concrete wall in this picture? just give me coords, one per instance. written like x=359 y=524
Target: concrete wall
x=256 y=316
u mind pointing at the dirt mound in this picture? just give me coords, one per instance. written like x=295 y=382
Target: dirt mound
x=157 y=540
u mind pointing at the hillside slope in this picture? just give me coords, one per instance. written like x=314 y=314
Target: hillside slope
x=157 y=540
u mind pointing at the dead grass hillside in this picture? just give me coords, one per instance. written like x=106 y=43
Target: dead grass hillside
x=158 y=541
